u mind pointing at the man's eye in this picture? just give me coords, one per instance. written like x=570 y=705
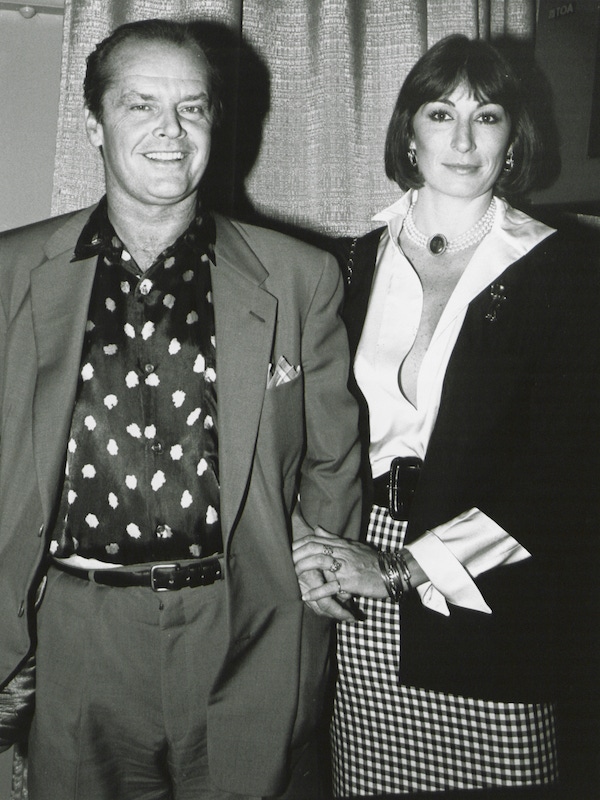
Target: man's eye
x=195 y=111
x=140 y=107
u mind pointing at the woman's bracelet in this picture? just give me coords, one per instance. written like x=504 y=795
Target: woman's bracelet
x=391 y=575
x=395 y=574
x=404 y=570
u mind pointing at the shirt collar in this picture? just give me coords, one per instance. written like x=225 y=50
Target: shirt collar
x=98 y=236
x=515 y=233
x=393 y=216
x=512 y=236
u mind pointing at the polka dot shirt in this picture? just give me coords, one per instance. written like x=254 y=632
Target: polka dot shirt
x=141 y=477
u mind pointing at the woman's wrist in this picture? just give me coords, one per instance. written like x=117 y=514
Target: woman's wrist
x=390 y=575
x=395 y=573
x=400 y=572
x=417 y=575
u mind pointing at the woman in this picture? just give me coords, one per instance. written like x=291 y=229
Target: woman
x=475 y=340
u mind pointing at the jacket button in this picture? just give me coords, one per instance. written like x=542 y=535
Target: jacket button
x=21 y=610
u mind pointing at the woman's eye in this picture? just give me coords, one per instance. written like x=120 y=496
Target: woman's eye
x=492 y=116
x=439 y=115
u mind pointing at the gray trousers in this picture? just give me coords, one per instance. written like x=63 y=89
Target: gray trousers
x=123 y=678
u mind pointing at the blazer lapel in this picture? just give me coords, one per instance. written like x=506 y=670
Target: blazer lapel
x=60 y=292
x=245 y=317
x=359 y=288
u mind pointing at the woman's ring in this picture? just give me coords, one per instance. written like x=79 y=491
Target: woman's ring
x=327 y=550
x=335 y=565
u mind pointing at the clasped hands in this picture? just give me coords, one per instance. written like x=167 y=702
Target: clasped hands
x=331 y=570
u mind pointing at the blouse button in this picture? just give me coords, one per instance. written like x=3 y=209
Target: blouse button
x=157 y=448
x=148 y=369
x=160 y=529
x=145 y=286
x=21 y=610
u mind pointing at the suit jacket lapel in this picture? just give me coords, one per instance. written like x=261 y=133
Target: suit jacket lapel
x=60 y=292
x=245 y=317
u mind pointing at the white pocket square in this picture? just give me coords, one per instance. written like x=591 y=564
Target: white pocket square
x=282 y=372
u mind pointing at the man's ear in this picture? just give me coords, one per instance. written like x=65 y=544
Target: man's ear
x=93 y=129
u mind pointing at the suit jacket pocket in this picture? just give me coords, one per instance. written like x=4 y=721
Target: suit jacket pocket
x=281 y=431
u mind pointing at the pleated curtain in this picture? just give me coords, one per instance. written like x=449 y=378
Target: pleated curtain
x=307 y=148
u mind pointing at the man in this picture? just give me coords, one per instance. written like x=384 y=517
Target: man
x=173 y=383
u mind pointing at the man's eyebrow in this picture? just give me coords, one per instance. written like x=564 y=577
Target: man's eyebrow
x=195 y=96
x=133 y=95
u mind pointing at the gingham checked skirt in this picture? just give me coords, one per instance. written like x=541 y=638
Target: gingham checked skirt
x=393 y=739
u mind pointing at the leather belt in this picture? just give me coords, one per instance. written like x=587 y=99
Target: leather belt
x=395 y=489
x=158 y=577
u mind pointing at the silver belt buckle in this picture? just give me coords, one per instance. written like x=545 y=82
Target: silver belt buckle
x=156 y=570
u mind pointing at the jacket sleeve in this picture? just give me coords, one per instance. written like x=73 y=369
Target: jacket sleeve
x=558 y=463
x=330 y=493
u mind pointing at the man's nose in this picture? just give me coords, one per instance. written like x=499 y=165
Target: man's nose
x=169 y=125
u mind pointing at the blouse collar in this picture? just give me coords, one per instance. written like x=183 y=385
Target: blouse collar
x=512 y=236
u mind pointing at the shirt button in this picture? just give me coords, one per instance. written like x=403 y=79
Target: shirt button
x=148 y=369
x=145 y=286
x=157 y=448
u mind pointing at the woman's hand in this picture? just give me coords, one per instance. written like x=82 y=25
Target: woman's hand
x=349 y=568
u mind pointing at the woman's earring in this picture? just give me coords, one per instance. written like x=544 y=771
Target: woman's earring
x=509 y=160
x=412 y=157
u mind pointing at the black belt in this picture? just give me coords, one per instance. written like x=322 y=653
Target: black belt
x=158 y=577
x=395 y=489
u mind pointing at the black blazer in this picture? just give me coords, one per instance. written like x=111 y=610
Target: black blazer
x=517 y=436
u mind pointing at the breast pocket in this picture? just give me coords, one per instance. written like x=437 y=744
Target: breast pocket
x=281 y=431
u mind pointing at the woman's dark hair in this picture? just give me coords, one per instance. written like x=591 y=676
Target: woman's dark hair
x=450 y=62
x=99 y=72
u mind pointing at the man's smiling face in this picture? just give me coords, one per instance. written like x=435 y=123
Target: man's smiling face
x=155 y=131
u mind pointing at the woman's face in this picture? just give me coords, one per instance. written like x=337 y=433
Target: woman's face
x=461 y=143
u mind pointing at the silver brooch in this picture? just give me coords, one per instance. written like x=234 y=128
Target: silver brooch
x=498 y=295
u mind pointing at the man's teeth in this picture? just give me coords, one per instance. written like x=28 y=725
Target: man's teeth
x=165 y=156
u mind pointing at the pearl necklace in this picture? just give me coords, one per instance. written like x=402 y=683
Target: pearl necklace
x=438 y=244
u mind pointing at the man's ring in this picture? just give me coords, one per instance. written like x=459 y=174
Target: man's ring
x=327 y=550
x=335 y=565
